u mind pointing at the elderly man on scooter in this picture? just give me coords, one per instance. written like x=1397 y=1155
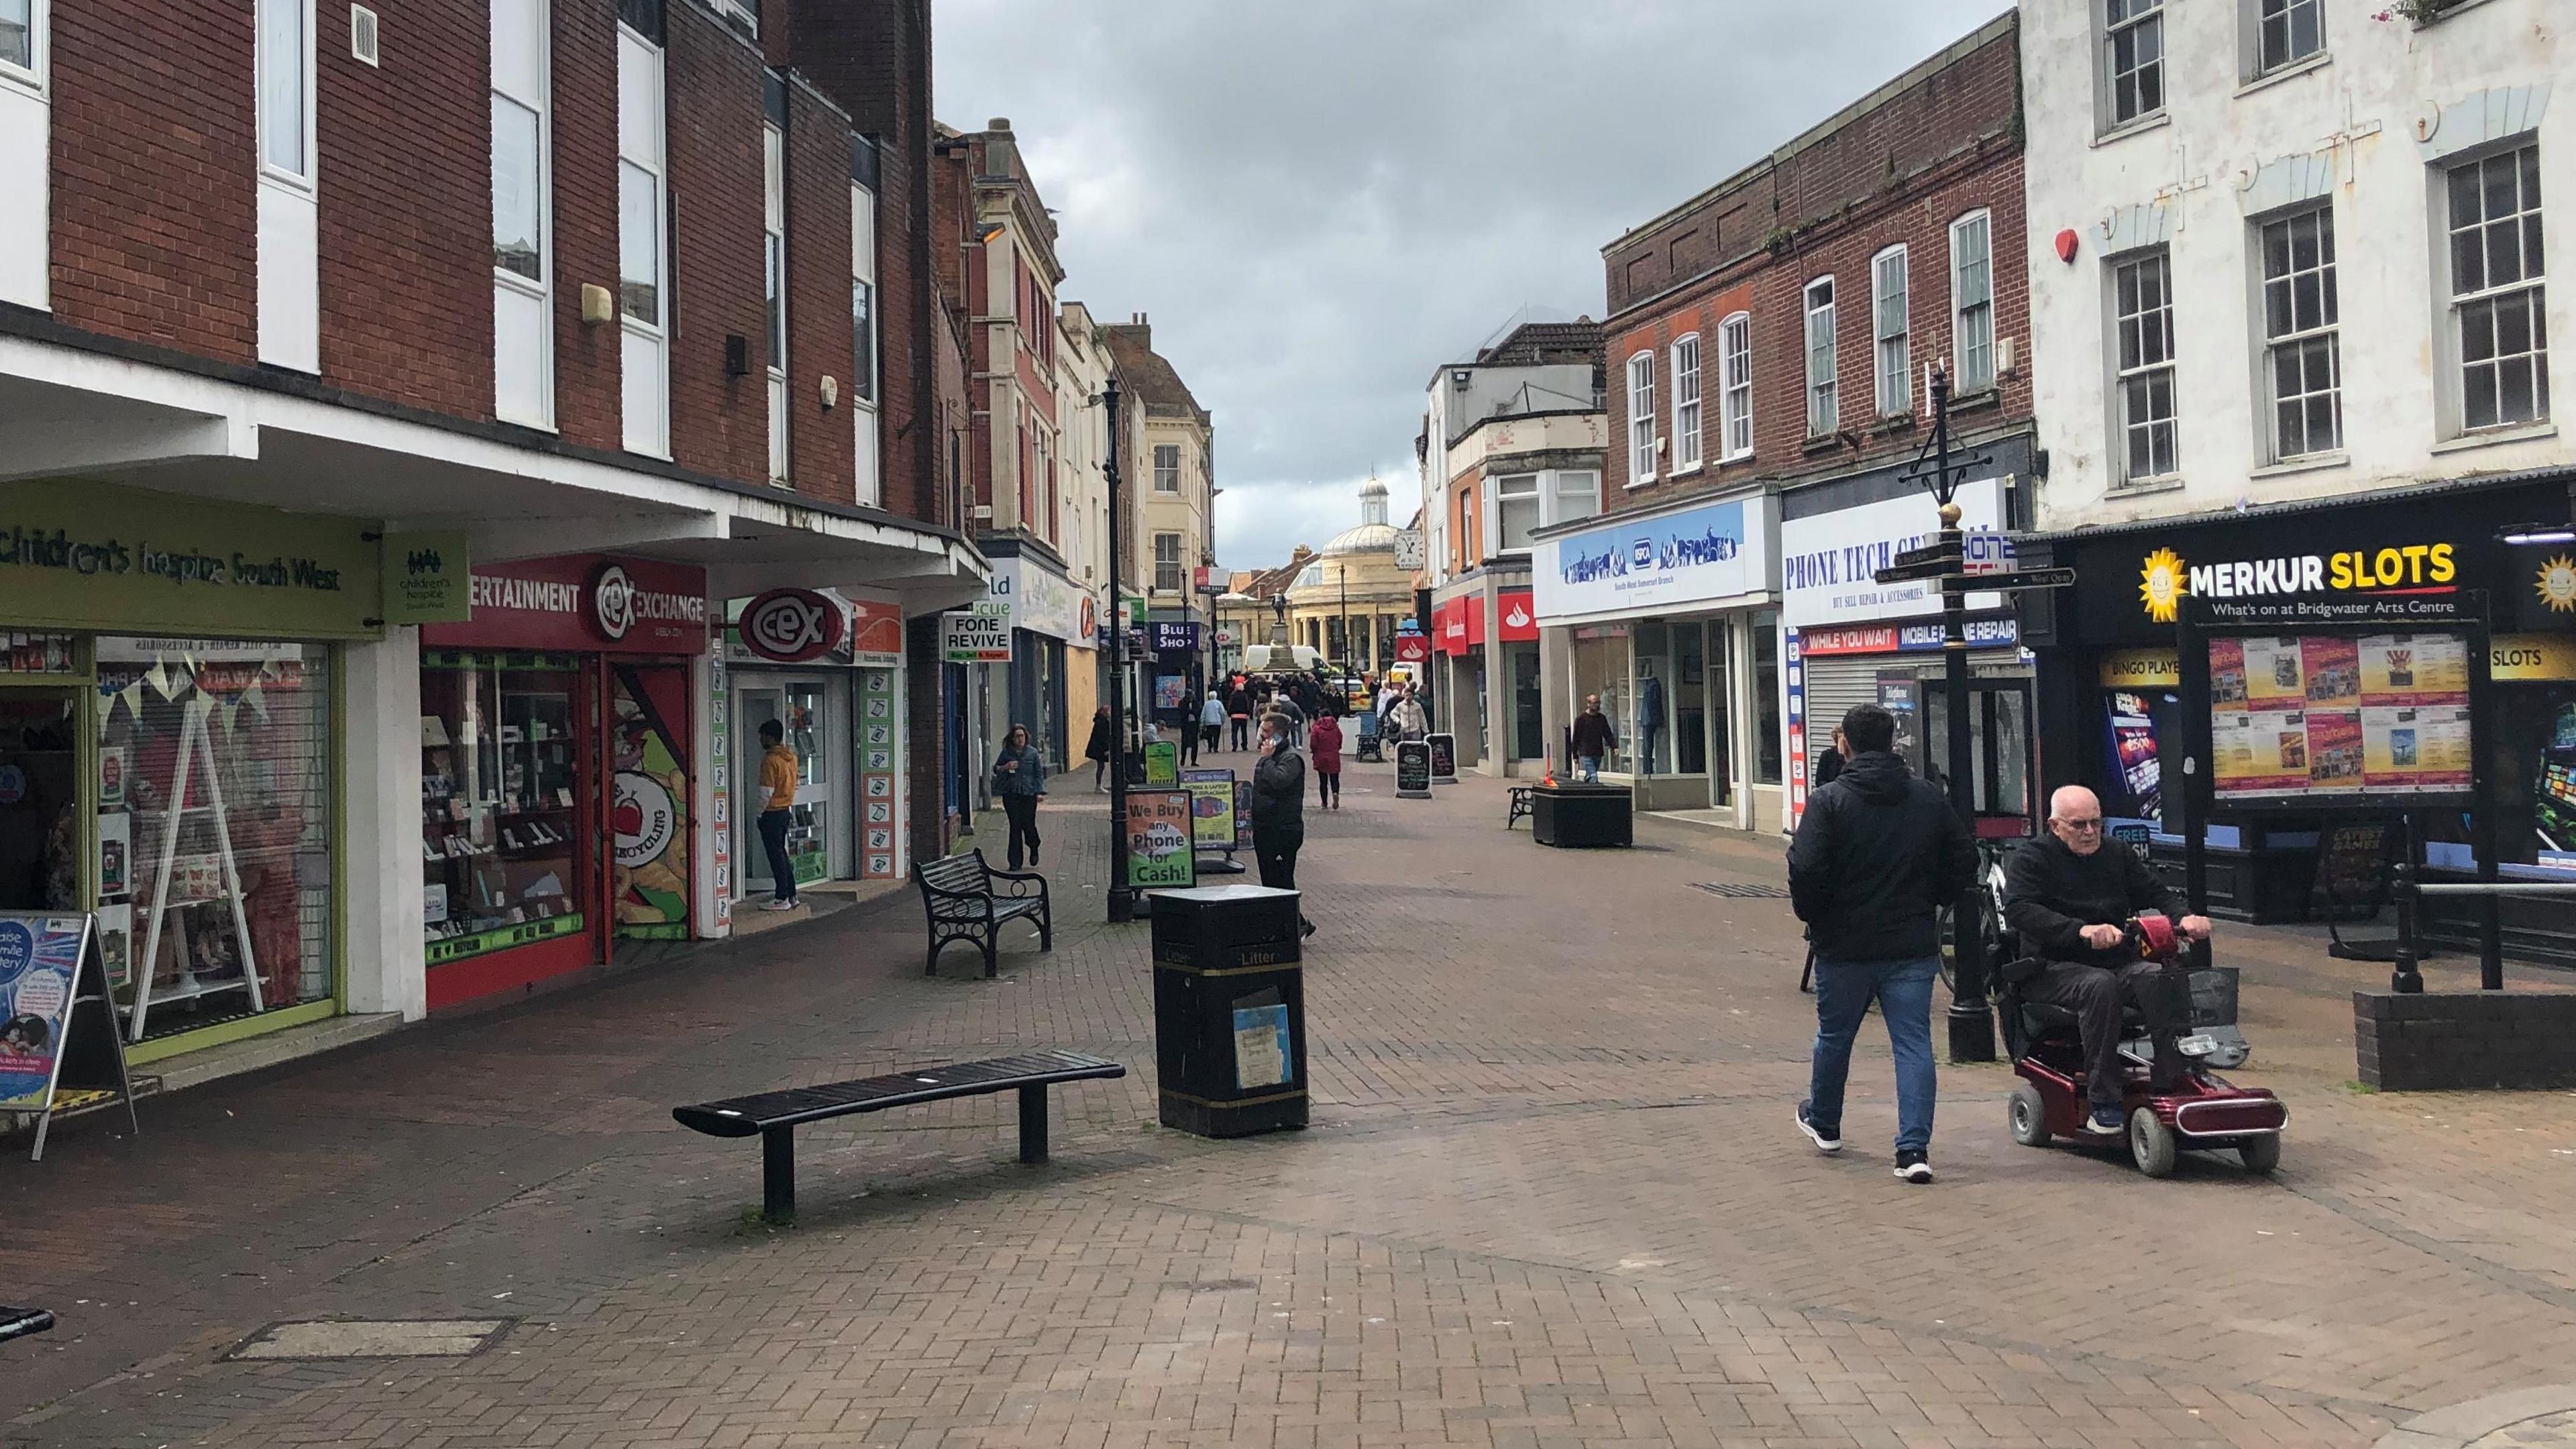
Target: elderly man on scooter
x=2070 y=901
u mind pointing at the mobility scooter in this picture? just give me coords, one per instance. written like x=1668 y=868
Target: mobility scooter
x=2202 y=1112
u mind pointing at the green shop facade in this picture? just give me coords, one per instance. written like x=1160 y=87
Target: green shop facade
x=188 y=689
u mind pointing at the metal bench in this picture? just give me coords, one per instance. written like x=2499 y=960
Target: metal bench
x=19 y=1322
x=1520 y=806
x=967 y=900
x=774 y=1116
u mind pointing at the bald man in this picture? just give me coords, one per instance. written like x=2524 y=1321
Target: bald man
x=2070 y=900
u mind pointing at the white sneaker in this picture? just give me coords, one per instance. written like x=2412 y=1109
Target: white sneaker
x=778 y=905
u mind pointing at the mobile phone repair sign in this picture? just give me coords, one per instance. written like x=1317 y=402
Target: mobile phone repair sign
x=981 y=635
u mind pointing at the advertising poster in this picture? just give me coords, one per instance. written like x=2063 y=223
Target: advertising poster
x=2334 y=750
x=1243 y=817
x=2404 y=669
x=1162 y=763
x=2333 y=669
x=1211 y=808
x=1261 y=1046
x=1444 y=758
x=2133 y=744
x=2272 y=676
x=1160 y=852
x=2226 y=674
x=39 y=958
x=650 y=812
x=1171 y=691
x=115 y=853
x=2415 y=749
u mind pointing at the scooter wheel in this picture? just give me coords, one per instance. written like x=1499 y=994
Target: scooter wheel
x=2029 y=1116
x=2261 y=1154
x=2151 y=1143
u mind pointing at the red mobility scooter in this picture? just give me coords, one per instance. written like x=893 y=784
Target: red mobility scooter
x=2202 y=1112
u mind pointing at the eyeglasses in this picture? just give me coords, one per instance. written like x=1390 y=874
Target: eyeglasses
x=2085 y=825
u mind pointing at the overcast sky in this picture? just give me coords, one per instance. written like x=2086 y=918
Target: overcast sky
x=1318 y=202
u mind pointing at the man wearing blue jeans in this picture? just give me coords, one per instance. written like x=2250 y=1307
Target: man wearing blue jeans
x=1876 y=855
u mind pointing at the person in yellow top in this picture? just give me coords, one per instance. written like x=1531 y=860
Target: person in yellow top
x=778 y=772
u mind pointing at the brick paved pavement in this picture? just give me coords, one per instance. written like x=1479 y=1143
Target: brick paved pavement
x=1550 y=1198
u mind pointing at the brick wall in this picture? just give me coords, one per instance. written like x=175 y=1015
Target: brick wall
x=719 y=424
x=821 y=441
x=1932 y=151
x=589 y=371
x=154 y=211
x=929 y=825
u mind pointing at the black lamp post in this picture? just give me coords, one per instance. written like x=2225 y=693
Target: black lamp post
x=1122 y=900
x=1972 y=1021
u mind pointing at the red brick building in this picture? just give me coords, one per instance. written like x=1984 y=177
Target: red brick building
x=632 y=303
x=1767 y=344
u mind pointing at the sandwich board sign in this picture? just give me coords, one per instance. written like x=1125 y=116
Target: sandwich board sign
x=1413 y=770
x=1444 y=758
x=59 y=1046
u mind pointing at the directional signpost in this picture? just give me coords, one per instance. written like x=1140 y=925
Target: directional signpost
x=1963 y=563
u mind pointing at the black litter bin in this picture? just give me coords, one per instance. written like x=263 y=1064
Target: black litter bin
x=1229 y=1010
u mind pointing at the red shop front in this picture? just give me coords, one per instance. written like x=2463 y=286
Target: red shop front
x=556 y=730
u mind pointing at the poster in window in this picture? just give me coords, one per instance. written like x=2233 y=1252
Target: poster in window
x=2414 y=669
x=2259 y=752
x=2133 y=744
x=116 y=942
x=650 y=817
x=2273 y=679
x=115 y=853
x=2226 y=674
x=2333 y=669
x=2334 y=750
x=2415 y=749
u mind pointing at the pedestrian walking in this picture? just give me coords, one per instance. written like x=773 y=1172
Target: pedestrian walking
x=1876 y=855
x=779 y=773
x=1212 y=720
x=1279 y=809
x=1188 y=729
x=1593 y=739
x=1103 y=739
x=1325 y=744
x=1408 y=720
x=1238 y=708
x=1019 y=777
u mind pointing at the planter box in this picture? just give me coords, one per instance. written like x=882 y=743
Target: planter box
x=1581 y=816
x=2443 y=1041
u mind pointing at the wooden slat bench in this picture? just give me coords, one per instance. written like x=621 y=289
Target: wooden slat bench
x=967 y=900
x=19 y=1322
x=774 y=1116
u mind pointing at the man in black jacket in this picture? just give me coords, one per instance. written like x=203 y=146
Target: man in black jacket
x=1876 y=856
x=2070 y=901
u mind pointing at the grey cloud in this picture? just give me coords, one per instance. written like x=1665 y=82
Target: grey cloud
x=1320 y=203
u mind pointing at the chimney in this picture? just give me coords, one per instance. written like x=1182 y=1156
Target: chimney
x=1001 y=148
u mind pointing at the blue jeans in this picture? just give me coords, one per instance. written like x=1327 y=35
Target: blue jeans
x=1903 y=990
x=1587 y=768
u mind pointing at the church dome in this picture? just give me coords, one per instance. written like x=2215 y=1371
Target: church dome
x=1374 y=534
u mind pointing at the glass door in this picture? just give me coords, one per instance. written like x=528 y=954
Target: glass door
x=756 y=705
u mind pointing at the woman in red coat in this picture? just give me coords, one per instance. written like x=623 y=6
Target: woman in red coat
x=1324 y=742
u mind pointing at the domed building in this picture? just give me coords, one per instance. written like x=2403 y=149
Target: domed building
x=1347 y=600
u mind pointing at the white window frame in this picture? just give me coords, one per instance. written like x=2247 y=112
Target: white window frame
x=302 y=177
x=653 y=331
x=2259 y=61
x=1180 y=575
x=1824 y=360
x=33 y=74
x=1891 y=332
x=1735 y=387
x=2156 y=324
x=1532 y=492
x=2307 y=328
x=773 y=213
x=1641 y=418
x=2123 y=20
x=1567 y=483
x=867 y=375
x=540 y=287
x=2457 y=304
x=1972 y=322
x=1173 y=473
x=1686 y=403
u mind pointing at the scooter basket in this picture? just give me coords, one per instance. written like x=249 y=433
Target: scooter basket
x=2213 y=996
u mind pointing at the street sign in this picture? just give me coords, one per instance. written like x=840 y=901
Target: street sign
x=2027 y=579
x=1930 y=553
x=1906 y=573
x=1410 y=554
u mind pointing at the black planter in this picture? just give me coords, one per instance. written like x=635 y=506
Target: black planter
x=1582 y=816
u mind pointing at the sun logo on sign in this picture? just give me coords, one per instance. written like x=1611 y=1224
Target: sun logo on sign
x=2557 y=584
x=2162 y=583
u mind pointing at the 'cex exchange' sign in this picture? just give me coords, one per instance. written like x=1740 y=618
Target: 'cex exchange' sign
x=790 y=626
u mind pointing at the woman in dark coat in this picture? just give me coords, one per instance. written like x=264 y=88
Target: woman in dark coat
x=1097 y=752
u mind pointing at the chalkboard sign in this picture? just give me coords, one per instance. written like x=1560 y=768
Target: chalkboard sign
x=2352 y=869
x=1413 y=770
x=1444 y=758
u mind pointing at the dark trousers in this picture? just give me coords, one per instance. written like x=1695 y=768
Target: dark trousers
x=773 y=843
x=1212 y=736
x=1328 y=787
x=1023 y=813
x=1099 y=772
x=1242 y=732
x=2094 y=994
x=1190 y=743
x=1276 y=851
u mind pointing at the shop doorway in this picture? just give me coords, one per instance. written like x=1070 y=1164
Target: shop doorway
x=816 y=844
x=39 y=798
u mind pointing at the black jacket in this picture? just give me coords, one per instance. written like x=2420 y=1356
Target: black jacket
x=1828 y=767
x=1592 y=736
x=1279 y=793
x=2051 y=894
x=1098 y=749
x=1876 y=856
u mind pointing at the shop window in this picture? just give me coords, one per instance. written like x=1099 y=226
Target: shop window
x=1601 y=668
x=213 y=830
x=1766 y=698
x=499 y=800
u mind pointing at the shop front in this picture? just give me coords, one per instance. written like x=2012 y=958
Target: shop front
x=557 y=733
x=1850 y=640
x=1174 y=646
x=1484 y=639
x=1054 y=676
x=1672 y=618
x=172 y=727
x=830 y=670
x=2110 y=680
